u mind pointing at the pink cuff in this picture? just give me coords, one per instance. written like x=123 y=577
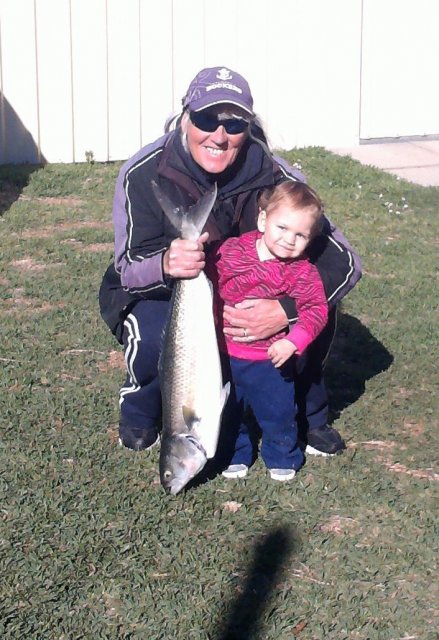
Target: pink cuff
x=300 y=338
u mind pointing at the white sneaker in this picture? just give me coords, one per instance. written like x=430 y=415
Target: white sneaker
x=235 y=471
x=282 y=474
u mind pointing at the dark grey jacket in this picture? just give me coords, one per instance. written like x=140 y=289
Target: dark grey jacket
x=143 y=233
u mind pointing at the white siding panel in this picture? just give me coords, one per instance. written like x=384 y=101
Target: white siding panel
x=54 y=80
x=89 y=72
x=124 y=78
x=400 y=91
x=189 y=48
x=156 y=68
x=20 y=130
x=253 y=58
x=327 y=40
x=222 y=33
x=281 y=113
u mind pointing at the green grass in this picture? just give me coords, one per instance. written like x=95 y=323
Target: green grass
x=90 y=545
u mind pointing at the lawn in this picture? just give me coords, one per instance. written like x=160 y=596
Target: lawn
x=90 y=545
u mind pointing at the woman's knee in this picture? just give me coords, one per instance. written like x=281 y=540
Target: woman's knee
x=142 y=338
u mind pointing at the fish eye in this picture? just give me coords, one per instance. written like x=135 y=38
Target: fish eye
x=167 y=475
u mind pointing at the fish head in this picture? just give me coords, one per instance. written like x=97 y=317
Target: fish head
x=181 y=458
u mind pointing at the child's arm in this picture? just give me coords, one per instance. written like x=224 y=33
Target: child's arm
x=311 y=306
x=280 y=351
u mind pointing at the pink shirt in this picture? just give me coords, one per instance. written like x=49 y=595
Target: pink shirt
x=238 y=274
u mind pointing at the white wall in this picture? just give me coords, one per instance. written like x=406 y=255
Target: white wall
x=101 y=76
x=400 y=90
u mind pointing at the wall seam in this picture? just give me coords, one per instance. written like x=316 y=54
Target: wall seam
x=107 y=57
x=140 y=72
x=2 y=105
x=72 y=85
x=40 y=155
x=361 y=70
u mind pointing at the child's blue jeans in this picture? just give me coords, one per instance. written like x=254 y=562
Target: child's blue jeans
x=270 y=394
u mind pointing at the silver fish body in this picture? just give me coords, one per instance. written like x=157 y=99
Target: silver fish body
x=193 y=395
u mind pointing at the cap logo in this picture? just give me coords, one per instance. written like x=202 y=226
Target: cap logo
x=223 y=85
x=224 y=74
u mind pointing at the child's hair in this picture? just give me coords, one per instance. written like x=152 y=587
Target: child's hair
x=296 y=195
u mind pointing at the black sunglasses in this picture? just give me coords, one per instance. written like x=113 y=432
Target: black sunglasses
x=209 y=122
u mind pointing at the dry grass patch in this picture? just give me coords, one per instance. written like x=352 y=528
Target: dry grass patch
x=28 y=264
x=397 y=467
x=303 y=572
x=385 y=458
x=339 y=525
x=98 y=247
x=373 y=444
x=18 y=302
x=68 y=201
x=415 y=428
x=49 y=232
x=116 y=360
x=113 y=434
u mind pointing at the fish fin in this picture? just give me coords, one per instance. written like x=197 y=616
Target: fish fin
x=172 y=212
x=198 y=214
x=190 y=418
x=225 y=392
x=188 y=224
x=209 y=282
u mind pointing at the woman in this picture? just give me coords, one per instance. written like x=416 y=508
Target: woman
x=217 y=139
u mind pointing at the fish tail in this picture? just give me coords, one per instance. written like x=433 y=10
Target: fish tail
x=188 y=224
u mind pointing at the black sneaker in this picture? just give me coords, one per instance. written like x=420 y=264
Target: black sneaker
x=137 y=438
x=324 y=441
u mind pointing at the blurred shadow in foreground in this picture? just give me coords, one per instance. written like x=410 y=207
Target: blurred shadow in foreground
x=271 y=557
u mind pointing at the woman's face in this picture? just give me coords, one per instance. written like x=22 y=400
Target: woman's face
x=215 y=149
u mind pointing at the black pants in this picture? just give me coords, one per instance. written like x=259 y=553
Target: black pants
x=311 y=395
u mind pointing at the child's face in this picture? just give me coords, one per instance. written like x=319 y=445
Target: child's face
x=286 y=232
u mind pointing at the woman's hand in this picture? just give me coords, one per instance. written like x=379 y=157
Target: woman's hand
x=254 y=320
x=185 y=258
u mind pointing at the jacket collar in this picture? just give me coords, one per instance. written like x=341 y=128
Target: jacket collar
x=252 y=169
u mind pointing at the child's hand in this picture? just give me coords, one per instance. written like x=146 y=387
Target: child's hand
x=280 y=351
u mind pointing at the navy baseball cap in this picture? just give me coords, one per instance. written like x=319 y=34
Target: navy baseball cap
x=218 y=85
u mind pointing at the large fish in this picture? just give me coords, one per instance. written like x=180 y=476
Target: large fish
x=193 y=395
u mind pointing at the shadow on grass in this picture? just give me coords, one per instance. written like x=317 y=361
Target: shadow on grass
x=356 y=356
x=17 y=145
x=13 y=179
x=242 y=617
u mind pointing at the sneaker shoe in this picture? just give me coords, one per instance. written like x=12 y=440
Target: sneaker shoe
x=136 y=438
x=283 y=475
x=235 y=471
x=324 y=441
